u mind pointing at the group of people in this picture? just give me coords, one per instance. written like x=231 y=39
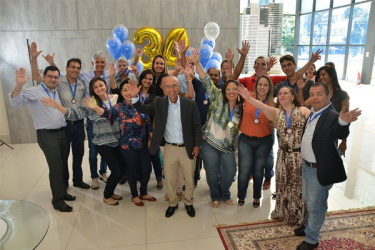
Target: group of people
x=178 y=121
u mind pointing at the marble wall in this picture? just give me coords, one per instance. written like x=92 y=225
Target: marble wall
x=78 y=28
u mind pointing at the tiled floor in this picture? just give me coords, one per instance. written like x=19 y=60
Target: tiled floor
x=95 y=225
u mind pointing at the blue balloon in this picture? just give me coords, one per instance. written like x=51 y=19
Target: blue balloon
x=127 y=49
x=140 y=67
x=113 y=45
x=212 y=64
x=216 y=56
x=208 y=41
x=206 y=53
x=121 y=32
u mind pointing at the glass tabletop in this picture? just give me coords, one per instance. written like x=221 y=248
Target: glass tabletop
x=26 y=225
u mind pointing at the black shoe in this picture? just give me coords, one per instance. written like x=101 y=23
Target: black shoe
x=195 y=184
x=183 y=188
x=170 y=211
x=274 y=196
x=307 y=246
x=300 y=231
x=190 y=210
x=123 y=180
x=64 y=208
x=82 y=185
x=68 y=197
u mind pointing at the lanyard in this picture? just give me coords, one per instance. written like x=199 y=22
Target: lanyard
x=101 y=75
x=45 y=89
x=288 y=120
x=143 y=100
x=315 y=116
x=125 y=71
x=231 y=113
x=71 y=89
x=205 y=95
x=257 y=111
x=109 y=101
x=287 y=84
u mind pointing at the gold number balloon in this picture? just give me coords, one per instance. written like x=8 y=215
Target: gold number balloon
x=153 y=48
x=174 y=35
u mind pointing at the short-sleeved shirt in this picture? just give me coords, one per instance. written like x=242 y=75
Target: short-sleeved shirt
x=249 y=82
x=339 y=96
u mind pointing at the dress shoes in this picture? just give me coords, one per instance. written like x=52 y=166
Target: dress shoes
x=82 y=185
x=190 y=210
x=300 y=231
x=68 y=197
x=170 y=211
x=64 y=208
x=307 y=246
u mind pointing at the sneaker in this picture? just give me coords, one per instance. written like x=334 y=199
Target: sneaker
x=103 y=177
x=95 y=183
x=266 y=183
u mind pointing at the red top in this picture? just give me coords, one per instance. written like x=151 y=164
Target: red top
x=249 y=82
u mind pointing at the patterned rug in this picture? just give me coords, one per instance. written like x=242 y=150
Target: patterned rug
x=344 y=230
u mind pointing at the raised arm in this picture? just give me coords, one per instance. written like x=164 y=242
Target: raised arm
x=34 y=53
x=148 y=109
x=301 y=85
x=314 y=57
x=241 y=63
x=21 y=79
x=138 y=54
x=189 y=76
x=177 y=66
x=112 y=72
x=181 y=48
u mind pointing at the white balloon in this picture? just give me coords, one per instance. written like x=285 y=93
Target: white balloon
x=212 y=30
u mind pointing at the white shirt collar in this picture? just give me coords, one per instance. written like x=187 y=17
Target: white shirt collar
x=178 y=101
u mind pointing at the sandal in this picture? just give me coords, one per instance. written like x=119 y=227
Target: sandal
x=229 y=202
x=215 y=204
x=139 y=204
x=159 y=186
x=256 y=203
x=149 y=198
x=241 y=202
x=116 y=197
x=110 y=203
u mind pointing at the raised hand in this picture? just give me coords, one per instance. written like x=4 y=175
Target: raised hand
x=180 y=46
x=316 y=56
x=300 y=82
x=245 y=48
x=229 y=55
x=195 y=57
x=350 y=116
x=134 y=69
x=133 y=88
x=138 y=52
x=244 y=92
x=90 y=102
x=49 y=58
x=177 y=63
x=272 y=62
x=48 y=102
x=21 y=78
x=188 y=72
x=112 y=70
x=33 y=48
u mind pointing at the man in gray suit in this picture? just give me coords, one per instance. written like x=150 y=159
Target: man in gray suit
x=177 y=125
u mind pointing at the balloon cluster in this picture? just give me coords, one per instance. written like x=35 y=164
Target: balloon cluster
x=209 y=59
x=118 y=46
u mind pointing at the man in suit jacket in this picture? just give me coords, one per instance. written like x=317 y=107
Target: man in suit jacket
x=177 y=122
x=322 y=165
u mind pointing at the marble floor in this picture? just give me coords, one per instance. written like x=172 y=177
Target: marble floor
x=95 y=225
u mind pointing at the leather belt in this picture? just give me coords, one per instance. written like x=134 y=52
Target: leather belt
x=310 y=164
x=74 y=122
x=176 y=144
x=51 y=130
x=290 y=150
x=254 y=138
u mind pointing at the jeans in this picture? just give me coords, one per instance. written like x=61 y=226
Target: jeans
x=252 y=155
x=316 y=197
x=156 y=164
x=93 y=160
x=220 y=170
x=139 y=163
x=113 y=157
x=75 y=136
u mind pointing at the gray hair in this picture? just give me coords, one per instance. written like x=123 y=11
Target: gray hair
x=121 y=59
x=99 y=54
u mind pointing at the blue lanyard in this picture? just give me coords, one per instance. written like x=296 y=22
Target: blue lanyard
x=287 y=84
x=101 y=75
x=222 y=82
x=288 y=120
x=123 y=73
x=231 y=113
x=315 y=116
x=143 y=100
x=109 y=101
x=71 y=89
x=45 y=89
x=257 y=111
x=205 y=95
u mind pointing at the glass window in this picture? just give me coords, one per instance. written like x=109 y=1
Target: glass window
x=320 y=28
x=306 y=6
x=288 y=34
x=358 y=1
x=305 y=29
x=337 y=3
x=355 y=59
x=320 y=62
x=336 y=54
x=289 y=6
x=303 y=56
x=339 y=25
x=360 y=22
x=322 y=5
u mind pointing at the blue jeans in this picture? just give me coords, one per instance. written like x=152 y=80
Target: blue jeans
x=75 y=136
x=93 y=160
x=220 y=170
x=252 y=155
x=316 y=197
x=156 y=164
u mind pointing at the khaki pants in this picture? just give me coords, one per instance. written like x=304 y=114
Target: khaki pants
x=173 y=158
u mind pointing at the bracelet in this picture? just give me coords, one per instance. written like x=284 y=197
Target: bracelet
x=189 y=80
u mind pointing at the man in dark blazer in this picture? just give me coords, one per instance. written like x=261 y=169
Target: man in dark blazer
x=178 y=125
x=322 y=164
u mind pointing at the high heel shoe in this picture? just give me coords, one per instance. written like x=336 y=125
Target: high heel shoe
x=256 y=203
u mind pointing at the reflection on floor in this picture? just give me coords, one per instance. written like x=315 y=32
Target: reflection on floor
x=95 y=225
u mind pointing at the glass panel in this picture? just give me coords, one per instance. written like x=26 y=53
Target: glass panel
x=306 y=6
x=358 y=1
x=305 y=29
x=320 y=62
x=320 y=27
x=322 y=5
x=289 y=7
x=339 y=26
x=303 y=56
x=336 y=54
x=359 y=24
x=355 y=59
x=337 y=3
x=288 y=35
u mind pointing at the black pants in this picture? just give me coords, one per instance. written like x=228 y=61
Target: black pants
x=112 y=157
x=54 y=147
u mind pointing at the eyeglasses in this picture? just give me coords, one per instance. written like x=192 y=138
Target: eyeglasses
x=53 y=77
x=75 y=68
x=234 y=89
x=175 y=86
x=122 y=66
